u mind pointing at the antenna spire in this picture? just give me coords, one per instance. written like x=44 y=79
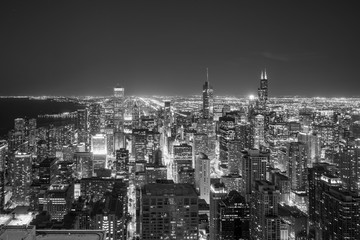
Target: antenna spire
x=265 y=76
x=207 y=74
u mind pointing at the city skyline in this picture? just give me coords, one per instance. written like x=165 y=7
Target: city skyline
x=150 y=168
x=86 y=48
x=201 y=120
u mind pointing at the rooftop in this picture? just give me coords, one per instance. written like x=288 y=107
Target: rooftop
x=18 y=232
x=161 y=189
x=59 y=187
x=70 y=235
x=202 y=156
x=203 y=205
x=47 y=162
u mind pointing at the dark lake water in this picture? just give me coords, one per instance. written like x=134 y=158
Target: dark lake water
x=11 y=108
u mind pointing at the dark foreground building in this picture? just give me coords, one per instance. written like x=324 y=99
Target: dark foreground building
x=169 y=211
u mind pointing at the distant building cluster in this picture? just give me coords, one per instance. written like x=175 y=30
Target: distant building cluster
x=152 y=168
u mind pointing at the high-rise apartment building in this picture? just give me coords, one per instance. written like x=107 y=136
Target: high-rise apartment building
x=20 y=168
x=297 y=167
x=349 y=165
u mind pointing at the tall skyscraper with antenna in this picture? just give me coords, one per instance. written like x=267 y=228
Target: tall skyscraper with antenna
x=208 y=98
x=263 y=90
x=118 y=100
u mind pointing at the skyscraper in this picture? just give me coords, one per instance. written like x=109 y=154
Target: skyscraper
x=263 y=90
x=202 y=176
x=135 y=117
x=297 y=168
x=350 y=165
x=32 y=134
x=94 y=118
x=167 y=114
x=339 y=218
x=234 y=157
x=81 y=119
x=254 y=167
x=139 y=137
x=227 y=134
x=217 y=193
x=99 y=150
x=208 y=99
x=243 y=133
x=3 y=152
x=259 y=131
x=118 y=102
x=20 y=166
x=182 y=157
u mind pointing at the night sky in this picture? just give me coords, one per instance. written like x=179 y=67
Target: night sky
x=57 y=47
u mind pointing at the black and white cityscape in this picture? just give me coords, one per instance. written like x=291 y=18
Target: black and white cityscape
x=173 y=120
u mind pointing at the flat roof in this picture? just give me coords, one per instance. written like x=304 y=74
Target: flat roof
x=70 y=235
x=17 y=233
x=161 y=189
